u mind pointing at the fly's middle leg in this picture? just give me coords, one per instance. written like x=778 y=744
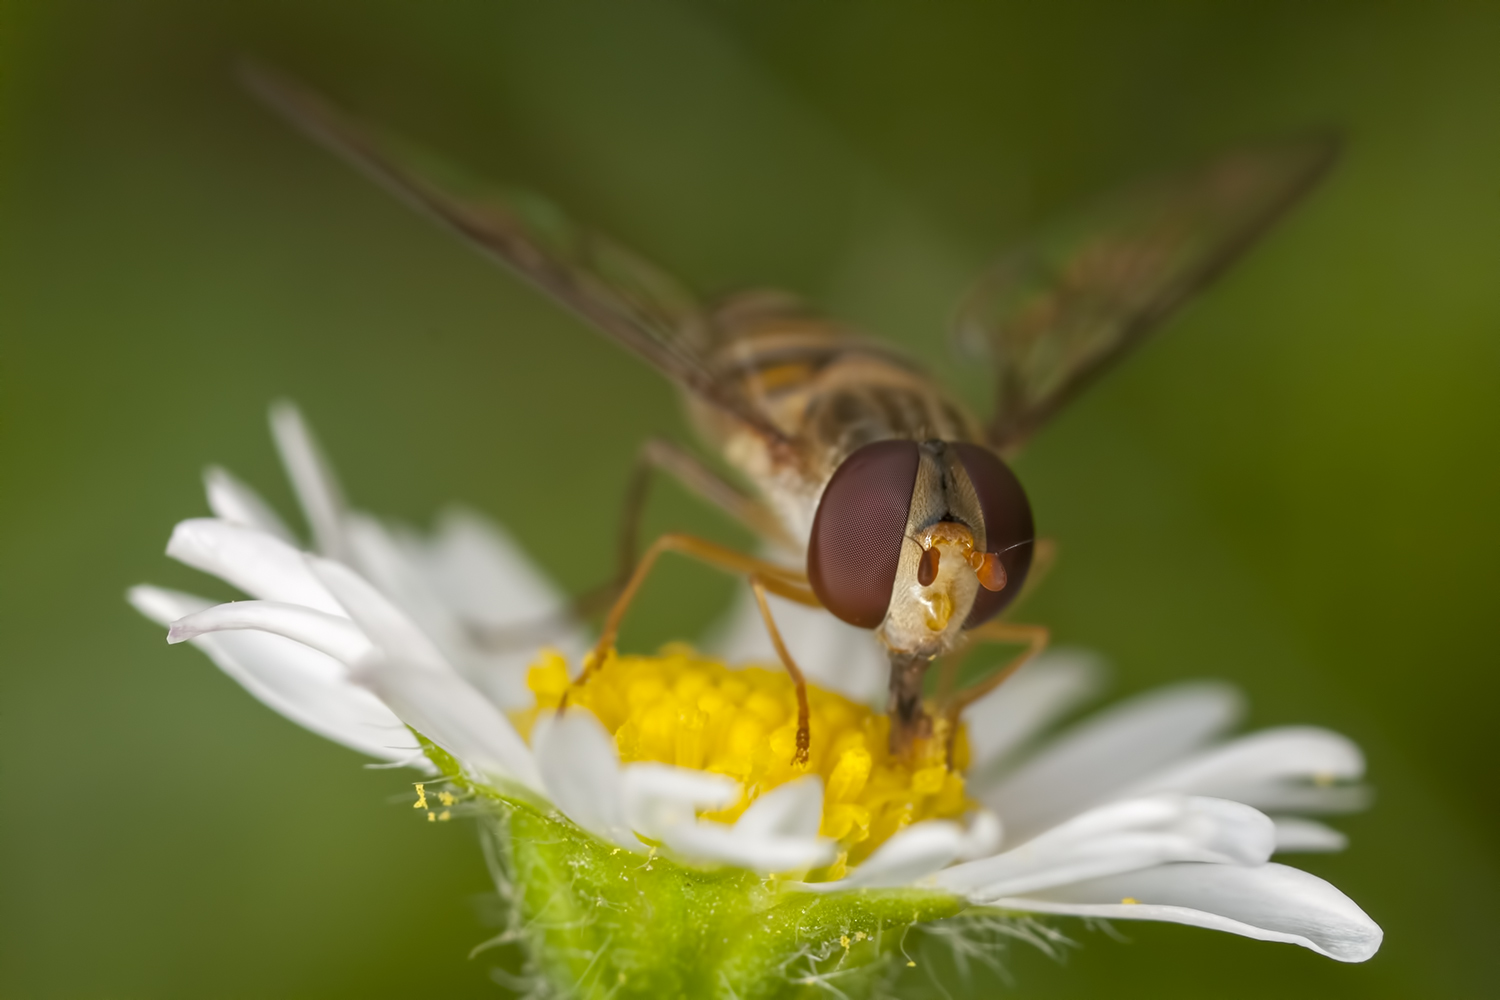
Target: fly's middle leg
x=764 y=577
x=1034 y=637
x=657 y=455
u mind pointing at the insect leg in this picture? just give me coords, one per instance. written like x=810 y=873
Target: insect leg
x=661 y=455
x=656 y=455
x=765 y=577
x=1035 y=637
x=1041 y=564
x=780 y=580
x=804 y=725
x=688 y=469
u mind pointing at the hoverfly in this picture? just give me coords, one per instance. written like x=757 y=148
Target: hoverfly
x=896 y=499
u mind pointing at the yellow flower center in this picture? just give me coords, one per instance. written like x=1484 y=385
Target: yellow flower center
x=693 y=711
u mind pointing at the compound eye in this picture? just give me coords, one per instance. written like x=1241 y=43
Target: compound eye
x=857 y=532
x=1008 y=529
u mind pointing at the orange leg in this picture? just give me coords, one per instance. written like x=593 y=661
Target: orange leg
x=656 y=455
x=764 y=577
x=804 y=724
x=661 y=455
x=1035 y=638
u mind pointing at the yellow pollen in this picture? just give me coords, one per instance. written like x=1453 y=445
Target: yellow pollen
x=443 y=816
x=1130 y=901
x=421 y=802
x=432 y=817
x=447 y=798
x=690 y=710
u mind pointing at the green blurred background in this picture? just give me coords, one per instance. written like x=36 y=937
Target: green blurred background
x=1295 y=487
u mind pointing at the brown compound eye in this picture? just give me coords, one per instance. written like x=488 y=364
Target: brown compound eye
x=857 y=533
x=1008 y=529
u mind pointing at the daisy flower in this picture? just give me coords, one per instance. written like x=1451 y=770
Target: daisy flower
x=650 y=830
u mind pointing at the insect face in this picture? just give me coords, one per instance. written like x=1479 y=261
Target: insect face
x=920 y=540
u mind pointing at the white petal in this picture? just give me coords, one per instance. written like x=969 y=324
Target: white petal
x=1297 y=797
x=312 y=478
x=304 y=685
x=1120 y=837
x=388 y=627
x=383 y=561
x=261 y=565
x=983 y=837
x=1304 y=836
x=393 y=560
x=794 y=809
x=915 y=853
x=1269 y=902
x=1260 y=761
x=411 y=676
x=233 y=501
x=1090 y=762
x=484 y=576
x=164 y=606
x=777 y=833
x=507 y=607
x=386 y=564
x=658 y=797
x=833 y=654
x=1285 y=769
x=720 y=844
x=335 y=635
x=581 y=773
x=446 y=709
x=911 y=854
x=1039 y=693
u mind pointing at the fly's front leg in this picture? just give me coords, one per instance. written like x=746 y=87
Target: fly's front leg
x=1034 y=637
x=804 y=714
x=764 y=578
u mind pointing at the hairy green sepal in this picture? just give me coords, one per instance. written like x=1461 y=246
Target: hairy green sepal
x=597 y=921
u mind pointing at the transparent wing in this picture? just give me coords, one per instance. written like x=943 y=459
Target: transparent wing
x=619 y=293
x=1055 y=314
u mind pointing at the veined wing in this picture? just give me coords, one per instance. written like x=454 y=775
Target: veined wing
x=631 y=301
x=1055 y=314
